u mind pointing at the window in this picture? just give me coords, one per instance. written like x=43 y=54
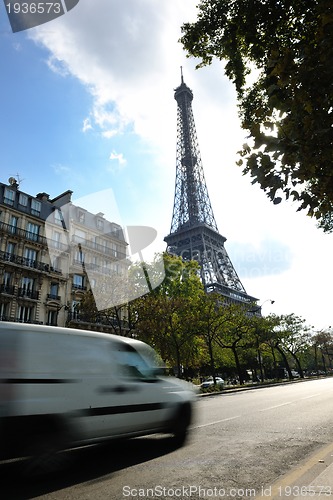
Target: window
x=56 y=263
x=78 y=281
x=80 y=235
x=7 y=278
x=32 y=231
x=25 y=314
x=54 y=291
x=132 y=365
x=94 y=262
x=9 y=197
x=114 y=249
x=52 y=317
x=27 y=284
x=56 y=237
x=58 y=218
x=6 y=285
x=13 y=224
x=4 y=311
x=27 y=288
x=100 y=224
x=81 y=216
x=23 y=200
x=10 y=250
x=35 y=207
x=30 y=256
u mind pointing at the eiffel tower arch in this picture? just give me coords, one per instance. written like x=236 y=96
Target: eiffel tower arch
x=194 y=234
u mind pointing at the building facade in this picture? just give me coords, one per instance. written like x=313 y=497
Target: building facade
x=51 y=253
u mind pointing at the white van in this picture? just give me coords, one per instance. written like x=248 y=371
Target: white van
x=62 y=387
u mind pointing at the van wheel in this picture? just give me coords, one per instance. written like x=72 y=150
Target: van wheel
x=181 y=424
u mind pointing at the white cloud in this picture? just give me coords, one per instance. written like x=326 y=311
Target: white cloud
x=60 y=169
x=86 y=125
x=119 y=158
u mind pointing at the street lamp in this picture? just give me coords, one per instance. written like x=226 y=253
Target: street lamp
x=258 y=308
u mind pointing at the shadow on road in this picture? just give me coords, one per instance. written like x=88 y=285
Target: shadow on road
x=82 y=465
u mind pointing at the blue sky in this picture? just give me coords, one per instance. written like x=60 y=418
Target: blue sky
x=87 y=104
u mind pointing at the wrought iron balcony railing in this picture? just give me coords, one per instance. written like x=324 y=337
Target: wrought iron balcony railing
x=99 y=248
x=8 y=289
x=26 y=292
x=31 y=263
x=52 y=296
x=23 y=233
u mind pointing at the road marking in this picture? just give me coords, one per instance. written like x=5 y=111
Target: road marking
x=290 y=402
x=216 y=422
x=277 y=406
x=312 y=396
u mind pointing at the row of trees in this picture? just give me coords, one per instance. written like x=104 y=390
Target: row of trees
x=199 y=334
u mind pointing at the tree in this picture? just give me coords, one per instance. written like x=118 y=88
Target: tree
x=288 y=46
x=290 y=337
x=212 y=318
x=234 y=332
x=261 y=331
x=295 y=338
x=323 y=340
x=167 y=317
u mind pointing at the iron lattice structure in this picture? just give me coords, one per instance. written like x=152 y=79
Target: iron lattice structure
x=194 y=233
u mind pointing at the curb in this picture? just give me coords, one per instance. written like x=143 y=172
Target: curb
x=261 y=386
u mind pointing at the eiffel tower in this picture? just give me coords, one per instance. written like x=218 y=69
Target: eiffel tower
x=194 y=233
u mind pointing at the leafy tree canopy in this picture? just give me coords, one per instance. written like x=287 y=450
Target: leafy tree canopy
x=288 y=46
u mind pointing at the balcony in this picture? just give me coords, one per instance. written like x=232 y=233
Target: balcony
x=57 y=245
x=98 y=319
x=110 y=252
x=79 y=287
x=7 y=289
x=32 y=264
x=23 y=234
x=52 y=296
x=27 y=293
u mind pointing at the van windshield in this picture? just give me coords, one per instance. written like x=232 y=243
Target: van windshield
x=139 y=362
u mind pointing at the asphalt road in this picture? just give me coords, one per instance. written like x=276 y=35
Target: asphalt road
x=240 y=442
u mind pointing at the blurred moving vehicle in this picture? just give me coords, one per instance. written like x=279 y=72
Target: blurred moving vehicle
x=210 y=382
x=62 y=387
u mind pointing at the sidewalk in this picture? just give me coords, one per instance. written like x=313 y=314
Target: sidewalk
x=312 y=478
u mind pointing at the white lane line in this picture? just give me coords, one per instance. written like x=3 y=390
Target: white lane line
x=216 y=422
x=290 y=402
x=312 y=396
x=278 y=406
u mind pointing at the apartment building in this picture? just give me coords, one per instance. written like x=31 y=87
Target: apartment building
x=51 y=253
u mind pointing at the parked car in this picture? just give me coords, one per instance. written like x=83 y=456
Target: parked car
x=295 y=374
x=210 y=382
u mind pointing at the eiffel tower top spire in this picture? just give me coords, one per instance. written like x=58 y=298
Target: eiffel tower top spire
x=194 y=234
x=192 y=205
